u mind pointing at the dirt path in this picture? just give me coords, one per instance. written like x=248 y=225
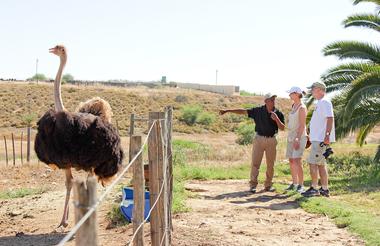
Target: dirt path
x=223 y=213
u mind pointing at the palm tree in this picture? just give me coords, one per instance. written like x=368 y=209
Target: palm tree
x=357 y=82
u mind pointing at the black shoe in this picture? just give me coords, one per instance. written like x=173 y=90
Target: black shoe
x=252 y=190
x=290 y=187
x=269 y=189
x=310 y=192
x=323 y=192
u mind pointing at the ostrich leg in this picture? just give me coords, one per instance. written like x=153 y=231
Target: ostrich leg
x=69 y=185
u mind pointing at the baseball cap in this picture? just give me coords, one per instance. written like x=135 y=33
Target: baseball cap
x=295 y=89
x=320 y=85
x=269 y=95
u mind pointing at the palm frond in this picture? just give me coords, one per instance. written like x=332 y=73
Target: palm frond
x=363 y=133
x=352 y=68
x=377 y=2
x=365 y=87
x=353 y=50
x=362 y=118
x=339 y=81
x=364 y=20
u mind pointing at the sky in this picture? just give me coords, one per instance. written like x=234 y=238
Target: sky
x=261 y=46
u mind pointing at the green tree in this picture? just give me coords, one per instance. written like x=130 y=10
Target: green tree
x=38 y=76
x=67 y=78
x=356 y=82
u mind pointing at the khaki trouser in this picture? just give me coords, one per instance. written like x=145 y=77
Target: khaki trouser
x=260 y=145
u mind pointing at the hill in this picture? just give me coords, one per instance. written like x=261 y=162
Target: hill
x=21 y=99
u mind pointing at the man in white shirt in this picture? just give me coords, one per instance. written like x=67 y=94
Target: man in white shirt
x=322 y=133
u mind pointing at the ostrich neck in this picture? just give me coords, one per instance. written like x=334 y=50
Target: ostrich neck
x=57 y=86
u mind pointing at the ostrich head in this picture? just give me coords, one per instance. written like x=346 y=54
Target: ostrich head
x=59 y=50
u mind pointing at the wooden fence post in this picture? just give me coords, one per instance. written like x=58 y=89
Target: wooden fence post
x=138 y=191
x=6 y=151
x=131 y=132
x=13 y=148
x=28 y=145
x=169 y=172
x=155 y=179
x=132 y=125
x=22 y=158
x=84 y=198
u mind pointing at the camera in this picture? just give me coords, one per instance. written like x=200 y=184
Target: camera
x=329 y=151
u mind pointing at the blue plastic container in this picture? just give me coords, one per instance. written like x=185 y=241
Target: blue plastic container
x=126 y=205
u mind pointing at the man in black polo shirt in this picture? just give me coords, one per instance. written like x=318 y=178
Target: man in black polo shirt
x=268 y=120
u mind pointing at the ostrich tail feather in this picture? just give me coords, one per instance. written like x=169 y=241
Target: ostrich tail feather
x=96 y=106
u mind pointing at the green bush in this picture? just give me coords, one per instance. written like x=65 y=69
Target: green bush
x=67 y=78
x=246 y=132
x=352 y=163
x=190 y=113
x=206 y=118
x=38 y=76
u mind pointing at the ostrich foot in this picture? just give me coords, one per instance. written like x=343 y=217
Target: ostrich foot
x=61 y=227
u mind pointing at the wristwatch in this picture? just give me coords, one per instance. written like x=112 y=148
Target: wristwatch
x=297 y=139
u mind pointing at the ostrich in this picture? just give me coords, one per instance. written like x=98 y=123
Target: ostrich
x=84 y=140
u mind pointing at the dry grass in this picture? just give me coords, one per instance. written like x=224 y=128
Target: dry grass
x=22 y=99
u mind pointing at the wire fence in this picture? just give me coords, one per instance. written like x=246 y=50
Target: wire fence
x=164 y=143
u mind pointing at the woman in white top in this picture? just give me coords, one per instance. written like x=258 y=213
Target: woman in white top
x=297 y=138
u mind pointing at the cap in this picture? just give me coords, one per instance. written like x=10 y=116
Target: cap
x=320 y=85
x=295 y=89
x=269 y=95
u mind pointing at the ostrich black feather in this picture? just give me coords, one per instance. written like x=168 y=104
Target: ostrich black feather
x=79 y=140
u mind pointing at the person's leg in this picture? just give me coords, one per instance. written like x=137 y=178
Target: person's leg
x=298 y=170
x=293 y=170
x=270 y=155
x=257 y=156
x=314 y=175
x=324 y=176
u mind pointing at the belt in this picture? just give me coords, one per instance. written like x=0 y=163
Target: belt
x=265 y=136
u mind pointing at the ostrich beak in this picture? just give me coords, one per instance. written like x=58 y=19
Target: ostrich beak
x=52 y=50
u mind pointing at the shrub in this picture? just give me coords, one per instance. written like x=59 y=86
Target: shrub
x=67 y=77
x=189 y=114
x=180 y=98
x=28 y=119
x=206 y=118
x=38 y=76
x=352 y=163
x=246 y=132
x=234 y=118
